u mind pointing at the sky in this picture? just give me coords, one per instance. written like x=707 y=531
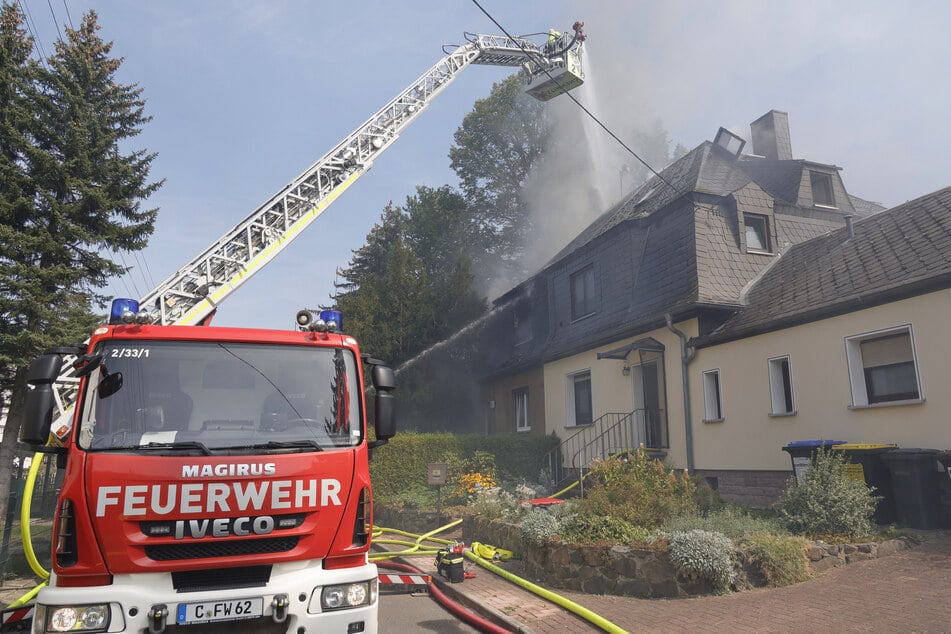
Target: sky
x=244 y=96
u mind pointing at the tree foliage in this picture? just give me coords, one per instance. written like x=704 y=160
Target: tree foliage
x=70 y=191
x=409 y=285
x=496 y=148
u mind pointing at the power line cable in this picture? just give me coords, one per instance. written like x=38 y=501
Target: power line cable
x=578 y=103
x=145 y=280
x=128 y=275
x=68 y=16
x=31 y=27
x=49 y=3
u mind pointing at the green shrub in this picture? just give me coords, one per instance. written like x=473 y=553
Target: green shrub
x=733 y=522
x=703 y=554
x=639 y=490
x=707 y=499
x=782 y=558
x=493 y=503
x=583 y=528
x=827 y=501
x=541 y=526
x=399 y=469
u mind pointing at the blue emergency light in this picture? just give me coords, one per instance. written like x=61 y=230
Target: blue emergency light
x=123 y=311
x=333 y=316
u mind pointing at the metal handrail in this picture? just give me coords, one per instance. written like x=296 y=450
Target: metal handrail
x=611 y=433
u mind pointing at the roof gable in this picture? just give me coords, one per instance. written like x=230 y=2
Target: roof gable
x=894 y=253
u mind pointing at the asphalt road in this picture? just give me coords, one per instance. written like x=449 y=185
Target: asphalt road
x=400 y=613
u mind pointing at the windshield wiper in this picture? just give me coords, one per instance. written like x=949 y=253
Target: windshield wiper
x=304 y=443
x=184 y=444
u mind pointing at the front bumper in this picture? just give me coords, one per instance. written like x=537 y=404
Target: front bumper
x=132 y=599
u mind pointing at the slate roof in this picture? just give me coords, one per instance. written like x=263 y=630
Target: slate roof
x=864 y=208
x=672 y=246
x=897 y=253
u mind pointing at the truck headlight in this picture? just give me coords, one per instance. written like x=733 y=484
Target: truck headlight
x=77 y=618
x=348 y=595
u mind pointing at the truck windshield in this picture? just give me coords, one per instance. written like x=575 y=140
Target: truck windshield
x=153 y=396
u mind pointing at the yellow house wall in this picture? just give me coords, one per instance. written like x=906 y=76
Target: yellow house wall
x=749 y=438
x=611 y=391
x=501 y=418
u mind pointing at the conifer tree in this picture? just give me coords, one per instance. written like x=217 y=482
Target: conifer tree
x=71 y=193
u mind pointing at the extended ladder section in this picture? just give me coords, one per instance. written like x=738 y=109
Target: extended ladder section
x=191 y=295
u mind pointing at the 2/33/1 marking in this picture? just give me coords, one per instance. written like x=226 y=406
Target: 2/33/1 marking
x=231 y=610
x=135 y=353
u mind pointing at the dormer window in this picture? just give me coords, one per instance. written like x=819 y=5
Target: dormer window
x=582 y=293
x=822 y=193
x=757 y=233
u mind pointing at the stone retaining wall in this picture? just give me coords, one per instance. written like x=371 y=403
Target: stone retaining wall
x=628 y=571
x=619 y=570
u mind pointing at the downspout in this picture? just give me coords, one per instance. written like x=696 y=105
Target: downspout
x=686 y=356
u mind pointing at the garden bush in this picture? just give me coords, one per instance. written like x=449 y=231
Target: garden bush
x=638 y=490
x=542 y=526
x=705 y=555
x=582 y=528
x=736 y=523
x=399 y=469
x=782 y=558
x=827 y=501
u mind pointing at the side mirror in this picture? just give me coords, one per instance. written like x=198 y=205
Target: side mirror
x=38 y=417
x=384 y=378
x=109 y=385
x=384 y=423
x=385 y=420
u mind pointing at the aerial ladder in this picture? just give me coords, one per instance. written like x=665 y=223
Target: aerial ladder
x=191 y=295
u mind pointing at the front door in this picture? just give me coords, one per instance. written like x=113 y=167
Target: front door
x=647 y=403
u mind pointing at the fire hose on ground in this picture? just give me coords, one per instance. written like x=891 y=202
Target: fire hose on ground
x=25 y=534
x=417 y=548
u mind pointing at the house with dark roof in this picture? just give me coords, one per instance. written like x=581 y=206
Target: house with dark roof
x=600 y=335
x=681 y=319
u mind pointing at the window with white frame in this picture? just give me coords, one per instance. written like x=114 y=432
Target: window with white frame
x=822 y=192
x=757 y=232
x=579 y=410
x=520 y=396
x=780 y=387
x=712 y=403
x=882 y=367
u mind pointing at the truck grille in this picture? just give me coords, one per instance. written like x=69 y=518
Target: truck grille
x=209 y=549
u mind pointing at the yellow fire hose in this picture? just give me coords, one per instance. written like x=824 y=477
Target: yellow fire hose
x=417 y=549
x=25 y=534
x=548 y=595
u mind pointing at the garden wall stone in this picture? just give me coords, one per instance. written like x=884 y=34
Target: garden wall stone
x=629 y=571
x=617 y=570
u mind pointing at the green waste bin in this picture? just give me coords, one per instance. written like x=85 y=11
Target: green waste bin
x=914 y=474
x=802 y=451
x=866 y=465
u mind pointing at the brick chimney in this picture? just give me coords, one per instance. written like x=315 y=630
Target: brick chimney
x=771 y=136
